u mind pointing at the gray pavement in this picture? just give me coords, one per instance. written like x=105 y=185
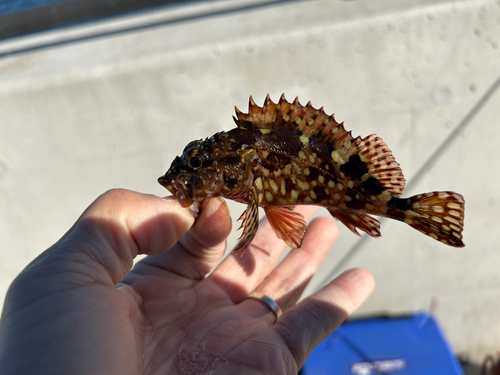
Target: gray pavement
x=90 y=108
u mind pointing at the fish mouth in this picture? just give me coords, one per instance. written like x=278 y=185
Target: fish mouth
x=167 y=183
x=177 y=189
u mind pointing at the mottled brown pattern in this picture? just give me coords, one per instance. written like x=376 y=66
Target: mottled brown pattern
x=285 y=154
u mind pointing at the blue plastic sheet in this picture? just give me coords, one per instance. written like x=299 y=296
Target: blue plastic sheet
x=11 y=6
x=402 y=346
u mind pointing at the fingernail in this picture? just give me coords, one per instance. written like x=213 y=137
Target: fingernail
x=168 y=198
x=214 y=204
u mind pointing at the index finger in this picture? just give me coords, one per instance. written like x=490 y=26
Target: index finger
x=200 y=249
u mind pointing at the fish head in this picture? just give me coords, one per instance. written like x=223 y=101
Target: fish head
x=194 y=175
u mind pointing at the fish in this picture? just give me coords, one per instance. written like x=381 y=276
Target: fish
x=285 y=154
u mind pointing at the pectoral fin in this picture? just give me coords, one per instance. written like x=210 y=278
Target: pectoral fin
x=288 y=225
x=250 y=222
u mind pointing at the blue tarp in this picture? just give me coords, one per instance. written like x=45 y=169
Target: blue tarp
x=402 y=346
x=11 y=6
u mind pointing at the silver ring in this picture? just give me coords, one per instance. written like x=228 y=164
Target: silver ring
x=268 y=301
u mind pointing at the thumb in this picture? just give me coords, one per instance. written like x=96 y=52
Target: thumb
x=116 y=227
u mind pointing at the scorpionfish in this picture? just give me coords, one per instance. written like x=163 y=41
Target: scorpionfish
x=286 y=154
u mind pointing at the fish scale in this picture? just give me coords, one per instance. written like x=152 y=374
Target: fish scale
x=285 y=154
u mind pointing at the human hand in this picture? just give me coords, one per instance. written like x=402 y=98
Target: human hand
x=80 y=309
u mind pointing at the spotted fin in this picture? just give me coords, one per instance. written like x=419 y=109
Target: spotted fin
x=288 y=225
x=250 y=222
x=307 y=119
x=381 y=164
x=439 y=215
x=356 y=220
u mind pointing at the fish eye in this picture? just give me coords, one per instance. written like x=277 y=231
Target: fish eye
x=195 y=162
x=195 y=158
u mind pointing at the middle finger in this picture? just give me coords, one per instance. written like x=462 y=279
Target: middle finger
x=239 y=275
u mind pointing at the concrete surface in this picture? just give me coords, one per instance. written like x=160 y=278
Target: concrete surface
x=91 y=113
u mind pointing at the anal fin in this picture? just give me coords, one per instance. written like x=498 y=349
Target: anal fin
x=250 y=222
x=288 y=225
x=357 y=220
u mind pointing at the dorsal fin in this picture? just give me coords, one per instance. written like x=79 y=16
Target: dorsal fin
x=381 y=164
x=307 y=119
x=316 y=123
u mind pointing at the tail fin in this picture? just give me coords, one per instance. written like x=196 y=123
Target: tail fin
x=439 y=215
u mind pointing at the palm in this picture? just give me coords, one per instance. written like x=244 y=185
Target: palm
x=211 y=331
x=164 y=316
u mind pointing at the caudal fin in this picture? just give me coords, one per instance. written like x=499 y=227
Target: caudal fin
x=439 y=215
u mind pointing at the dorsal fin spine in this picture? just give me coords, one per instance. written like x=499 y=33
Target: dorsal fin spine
x=251 y=102
x=309 y=120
